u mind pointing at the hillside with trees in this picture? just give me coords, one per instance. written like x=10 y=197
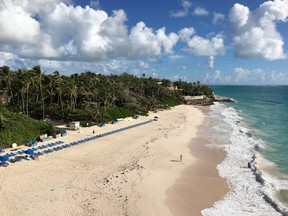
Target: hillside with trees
x=87 y=96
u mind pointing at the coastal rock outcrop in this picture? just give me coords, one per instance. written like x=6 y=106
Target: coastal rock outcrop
x=222 y=99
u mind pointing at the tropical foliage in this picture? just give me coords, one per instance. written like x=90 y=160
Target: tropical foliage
x=18 y=128
x=88 y=97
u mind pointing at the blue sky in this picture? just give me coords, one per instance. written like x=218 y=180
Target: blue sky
x=214 y=42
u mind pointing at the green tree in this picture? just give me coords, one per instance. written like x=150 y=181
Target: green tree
x=39 y=77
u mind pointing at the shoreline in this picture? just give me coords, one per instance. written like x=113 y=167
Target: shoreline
x=127 y=173
x=200 y=183
x=250 y=191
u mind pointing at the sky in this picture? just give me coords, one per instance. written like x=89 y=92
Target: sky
x=214 y=42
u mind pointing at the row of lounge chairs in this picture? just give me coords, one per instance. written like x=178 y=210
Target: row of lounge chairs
x=28 y=154
x=32 y=153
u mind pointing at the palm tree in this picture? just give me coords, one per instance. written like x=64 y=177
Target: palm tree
x=50 y=89
x=58 y=81
x=25 y=80
x=7 y=77
x=39 y=76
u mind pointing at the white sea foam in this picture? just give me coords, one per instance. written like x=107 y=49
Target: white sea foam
x=246 y=195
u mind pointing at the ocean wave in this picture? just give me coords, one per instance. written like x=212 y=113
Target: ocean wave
x=252 y=191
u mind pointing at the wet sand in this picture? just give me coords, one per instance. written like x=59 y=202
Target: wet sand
x=199 y=185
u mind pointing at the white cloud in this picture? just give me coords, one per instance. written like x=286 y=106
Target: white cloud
x=144 y=40
x=113 y=67
x=246 y=76
x=217 y=75
x=17 y=25
x=206 y=78
x=241 y=74
x=51 y=64
x=279 y=77
x=211 y=60
x=255 y=33
x=201 y=46
x=206 y=47
x=174 y=57
x=199 y=11
x=154 y=75
x=5 y=57
x=57 y=31
x=184 y=67
x=167 y=41
x=185 y=9
x=154 y=59
x=217 y=78
x=143 y=65
x=239 y=16
x=218 y=17
x=186 y=33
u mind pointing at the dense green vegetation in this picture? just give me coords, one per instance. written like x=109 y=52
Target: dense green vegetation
x=18 y=128
x=88 y=97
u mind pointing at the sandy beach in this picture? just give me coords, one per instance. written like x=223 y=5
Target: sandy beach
x=132 y=172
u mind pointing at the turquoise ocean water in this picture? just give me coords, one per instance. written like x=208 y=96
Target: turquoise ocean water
x=264 y=109
x=257 y=130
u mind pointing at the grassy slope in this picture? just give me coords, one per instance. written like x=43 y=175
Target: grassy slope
x=18 y=128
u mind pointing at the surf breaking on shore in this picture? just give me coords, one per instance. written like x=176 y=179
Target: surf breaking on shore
x=252 y=191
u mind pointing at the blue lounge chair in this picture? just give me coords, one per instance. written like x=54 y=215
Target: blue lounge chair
x=136 y=116
x=4 y=158
x=114 y=121
x=18 y=158
x=32 y=143
x=12 y=160
x=29 y=152
x=20 y=152
x=101 y=124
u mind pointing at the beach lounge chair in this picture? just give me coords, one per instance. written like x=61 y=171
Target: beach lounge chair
x=114 y=121
x=136 y=116
x=34 y=156
x=101 y=124
x=12 y=160
x=4 y=158
x=32 y=143
x=20 y=152
x=63 y=133
x=27 y=157
x=18 y=158
x=29 y=152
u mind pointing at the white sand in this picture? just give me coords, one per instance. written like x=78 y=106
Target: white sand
x=126 y=173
